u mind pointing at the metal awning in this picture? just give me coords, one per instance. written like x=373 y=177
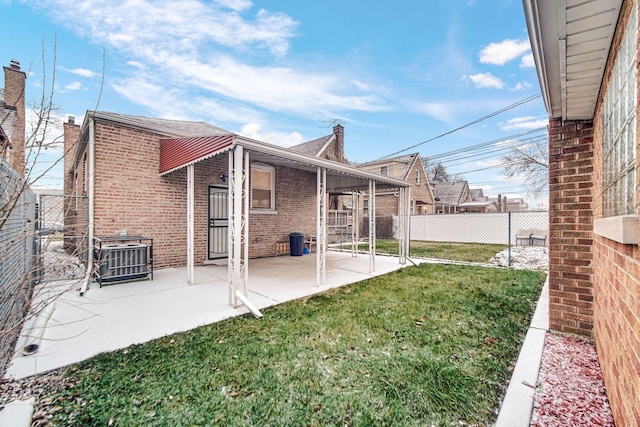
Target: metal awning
x=177 y=153
x=570 y=40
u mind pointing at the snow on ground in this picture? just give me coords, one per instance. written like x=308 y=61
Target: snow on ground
x=58 y=264
x=523 y=258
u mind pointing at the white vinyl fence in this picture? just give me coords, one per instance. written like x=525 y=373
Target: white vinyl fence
x=498 y=227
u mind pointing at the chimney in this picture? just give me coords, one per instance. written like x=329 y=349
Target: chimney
x=504 y=204
x=499 y=202
x=14 y=86
x=338 y=131
x=71 y=137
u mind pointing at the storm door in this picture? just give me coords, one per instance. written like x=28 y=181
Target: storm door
x=218 y=222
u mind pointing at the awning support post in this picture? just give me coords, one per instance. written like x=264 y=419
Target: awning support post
x=372 y=226
x=190 y=224
x=355 y=223
x=239 y=227
x=321 y=223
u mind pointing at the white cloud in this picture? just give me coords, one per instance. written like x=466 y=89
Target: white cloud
x=237 y=5
x=441 y=111
x=527 y=61
x=203 y=48
x=362 y=86
x=503 y=52
x=73 y=86
x=252 y=130
x=81 y=72
x=521 y=86
x=166 y=102
x=525 y=123
x=483 y=80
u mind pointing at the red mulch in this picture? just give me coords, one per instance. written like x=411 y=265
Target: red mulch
x=570 y=388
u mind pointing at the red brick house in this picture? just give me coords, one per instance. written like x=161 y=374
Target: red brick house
x=201 y=192
x=12 y=116
x=407 y=168
x=586 y=54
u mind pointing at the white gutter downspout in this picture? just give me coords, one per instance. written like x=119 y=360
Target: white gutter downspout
x=91 y=148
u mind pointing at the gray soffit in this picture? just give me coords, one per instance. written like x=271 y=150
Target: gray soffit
x=570 y=40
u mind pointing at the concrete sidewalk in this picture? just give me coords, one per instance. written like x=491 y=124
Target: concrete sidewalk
x=518 y=401
x=116 y=316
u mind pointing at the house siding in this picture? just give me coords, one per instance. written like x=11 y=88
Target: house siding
x=594 y=282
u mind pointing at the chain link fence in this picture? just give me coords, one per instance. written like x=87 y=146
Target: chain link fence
x=19 y=265
x=517 y=239
x=62 y=243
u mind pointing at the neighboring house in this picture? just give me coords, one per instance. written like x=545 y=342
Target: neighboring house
x=12 y=116
x=586 y=54
x=195 y=188
x=506 y=204
x=479 y=202
x=407 y=168
x=449 y=196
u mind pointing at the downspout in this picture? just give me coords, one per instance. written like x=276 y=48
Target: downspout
x=91 y=148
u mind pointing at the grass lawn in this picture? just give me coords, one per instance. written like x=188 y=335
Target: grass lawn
x=424 y=345
x=467 y=252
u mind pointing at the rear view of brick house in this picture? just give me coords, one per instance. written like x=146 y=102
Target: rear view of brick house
x=133 y=173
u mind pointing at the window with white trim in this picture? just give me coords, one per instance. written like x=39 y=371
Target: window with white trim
x=365 y=207
x=619 y=128
x=384 y=170
x=263 y=183
x=417 y=177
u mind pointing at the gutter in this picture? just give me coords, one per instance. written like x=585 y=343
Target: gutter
x=273 y=150
x=91 y=181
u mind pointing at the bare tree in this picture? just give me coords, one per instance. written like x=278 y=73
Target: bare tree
x=529 y=162
x=23 y=247
x=437 y=173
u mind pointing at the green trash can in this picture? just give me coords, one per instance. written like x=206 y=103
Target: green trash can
x=296 y=243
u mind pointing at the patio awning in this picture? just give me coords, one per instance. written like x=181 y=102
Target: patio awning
x=177 y=153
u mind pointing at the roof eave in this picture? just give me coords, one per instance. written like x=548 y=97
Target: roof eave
x=314 y=161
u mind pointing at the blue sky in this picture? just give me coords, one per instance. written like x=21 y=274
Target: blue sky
x=394 y=73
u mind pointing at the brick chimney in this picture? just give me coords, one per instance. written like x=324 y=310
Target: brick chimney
x=504 y=204
x=14 y=86
x=338 y=131
x=71 y=136
x=499 y=202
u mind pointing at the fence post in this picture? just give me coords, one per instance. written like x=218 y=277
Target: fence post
x=509 y=216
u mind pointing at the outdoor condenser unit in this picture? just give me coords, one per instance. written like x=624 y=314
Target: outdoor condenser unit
x=120 y=262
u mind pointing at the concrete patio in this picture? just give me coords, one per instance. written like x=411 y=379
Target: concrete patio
x=116 y=316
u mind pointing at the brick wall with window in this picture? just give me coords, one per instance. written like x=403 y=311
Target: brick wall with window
x=594 y=271
x=616 y=265
x=131 y=196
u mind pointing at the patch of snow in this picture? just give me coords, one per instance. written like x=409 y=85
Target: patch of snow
x=523 y=258
x=58 y=264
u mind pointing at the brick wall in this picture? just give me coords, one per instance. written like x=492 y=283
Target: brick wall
x=570 y=226
x=616 y=286
x=131 y=196
x=14 y=87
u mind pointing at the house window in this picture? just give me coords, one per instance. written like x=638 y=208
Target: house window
x=417 y=177
x=365 y=207
x=619 y=128
x=263 y=182
x=383 y=170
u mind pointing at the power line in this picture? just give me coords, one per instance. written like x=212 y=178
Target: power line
x=488 y=116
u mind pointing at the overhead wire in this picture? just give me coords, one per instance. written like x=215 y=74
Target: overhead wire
x=488 y=116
